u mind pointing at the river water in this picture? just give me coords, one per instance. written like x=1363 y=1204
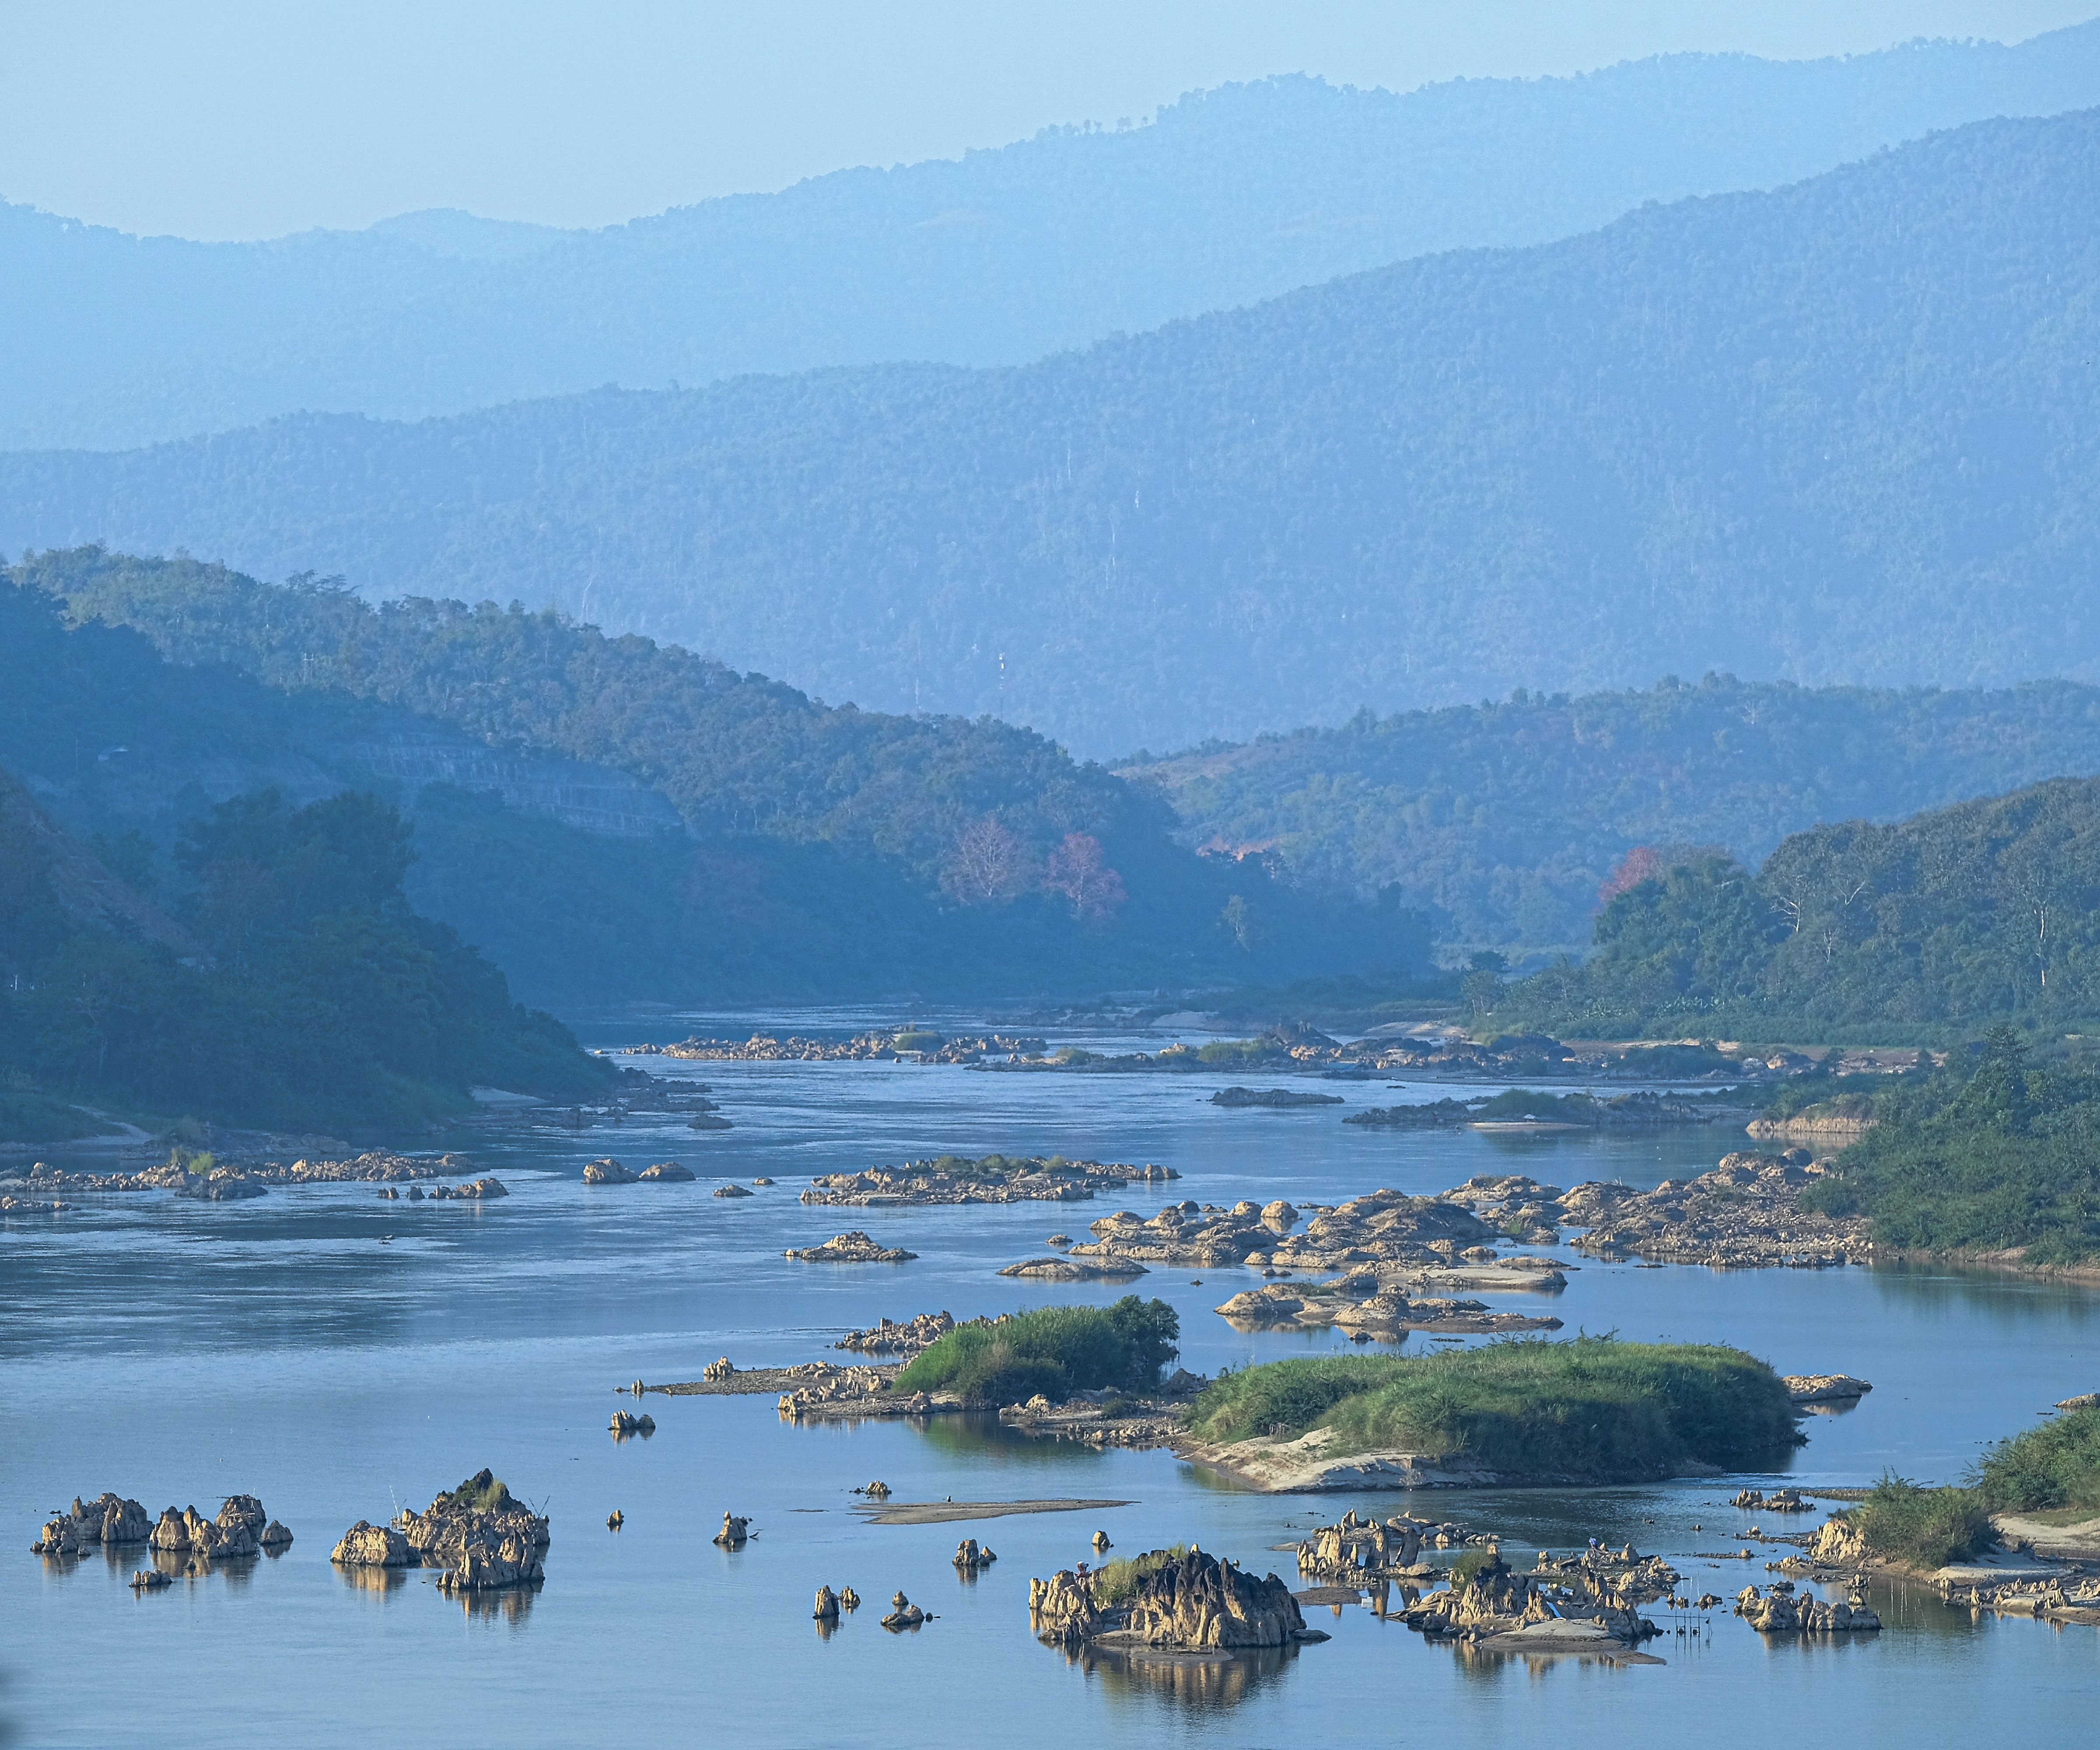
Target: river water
x=340 y=1355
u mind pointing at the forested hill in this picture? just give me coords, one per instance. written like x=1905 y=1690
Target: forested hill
x=1845 y=431
x=1227 y=196
x=1506 y=819
x=1923 y=931
x=814 y=852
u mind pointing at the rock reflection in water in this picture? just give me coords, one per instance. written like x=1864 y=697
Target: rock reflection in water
x=509 y=1604
x=1199 y=1681
x=383 y=1580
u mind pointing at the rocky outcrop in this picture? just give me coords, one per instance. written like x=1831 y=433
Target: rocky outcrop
x=188 y=1531
x=1360 y=1303
x=275 y=1535
x=623 y=1426
x=1361 y=1548
x=971 y=1558
x=1074 y=1270
x=852 y=1247
x=1271 y=1098
x=767 y=1048
x=736 y=1532
x=243 y=1513
x=606 y=1172
x=827 y=1605
x=718 y=1373
x=1190 y=1602
x=886 y=1336
x=1777 y=1610
x=150 y=1579
x=1779 y=1501
x=364 y=1546
x=733 y=1191
x=665 y=1173
x=480 y=1556
x=1745 y=1212
x=111 y=1521
x=1824 y=1388
x=479 y=1190
x=993 y=1179
x=1839 y=1544
x=904 y=1614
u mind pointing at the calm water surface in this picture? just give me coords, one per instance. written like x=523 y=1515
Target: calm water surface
x=177 y=1352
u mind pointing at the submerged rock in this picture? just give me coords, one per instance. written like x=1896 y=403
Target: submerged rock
x=852 y=1247
x=666 y=1172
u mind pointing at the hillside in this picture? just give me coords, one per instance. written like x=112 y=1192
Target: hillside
x=1842 y=432
x=1227 y=196
x=1923 y=931
x=1505 y=820
x=297 y=989
x=615 y=820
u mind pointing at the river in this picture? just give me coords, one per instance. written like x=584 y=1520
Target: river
x=340 y=1356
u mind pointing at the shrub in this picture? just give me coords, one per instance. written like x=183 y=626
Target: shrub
x=1053 y=1350
x=1119 y=1579
x=1927 y=1528
x=2056 y=1465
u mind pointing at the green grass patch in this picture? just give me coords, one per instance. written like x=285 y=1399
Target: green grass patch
x=1927 y=1528
x=1119 y=1581
x=483 y=1493
x=1591 y=1407
x=1055 y=1350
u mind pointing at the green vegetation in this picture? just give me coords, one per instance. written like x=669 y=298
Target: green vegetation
x=1989 y=1157
x=1055 y=1350
x=2048 y=1470
x=1592 y=1407
x=824 y=852
x=1914 y=932
x=483 y=1493
x=1925 y=1527
x=1115 y=1582
x=290 y=985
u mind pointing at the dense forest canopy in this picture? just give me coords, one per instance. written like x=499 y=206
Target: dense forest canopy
x=292 y=986
x=1925 y=929
x=826 y=852
x=1507 y=820
x=1844 y=431
x=1226 y=196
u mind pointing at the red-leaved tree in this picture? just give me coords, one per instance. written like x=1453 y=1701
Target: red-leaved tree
x=1077 y=870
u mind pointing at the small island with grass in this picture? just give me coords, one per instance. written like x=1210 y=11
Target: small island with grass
x=1591 y=1410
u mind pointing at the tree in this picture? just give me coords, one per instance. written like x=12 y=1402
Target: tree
x=986 y=864
x=1238 y=921
x=1077 y=870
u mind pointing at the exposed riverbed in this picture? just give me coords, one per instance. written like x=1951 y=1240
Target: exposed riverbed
x=178 y=1351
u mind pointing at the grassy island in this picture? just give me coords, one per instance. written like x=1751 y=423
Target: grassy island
x=1055 y=1350
x=1593 y=1407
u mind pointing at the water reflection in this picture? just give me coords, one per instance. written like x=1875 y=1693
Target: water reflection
x=1200 y=1682
x=510 y=1605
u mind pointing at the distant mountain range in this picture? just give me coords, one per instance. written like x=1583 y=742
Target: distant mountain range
x=1228 y=197
x=1845 y=431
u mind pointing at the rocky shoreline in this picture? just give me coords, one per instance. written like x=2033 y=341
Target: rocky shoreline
x=993 y=1179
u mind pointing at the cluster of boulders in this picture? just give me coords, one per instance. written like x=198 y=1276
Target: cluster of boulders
x=1056 y=1269
x=1361 y=1548
x=624 y=1425
x=478 y=1535
x=183 y=1535
x=887 y=1336
x=971 y=1558
x=853 y=1391
x=2059 y=1596
x=829 y=1603
x=1360 y=1304
x=1488 y=1597
x=1746 y=1212
x=609 y=1172
x=1824 y=1388
x=852 y=1247
x=475 y=1192
x=1776 y=1610
x=229 y=1183
x=904 y=1614
x=1188 y=1602
x=1779 y=1501
x=1382 y=1226
x=766 y=1048
x=717 y=1372
x=1271 y=1098
x=994 y=1178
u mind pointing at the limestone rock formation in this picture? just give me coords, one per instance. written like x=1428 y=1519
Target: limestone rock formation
x=1839 y=1544
x=1824 y=1388
x=904 y=1614
x=852 y=1247
x=110 y=1521
x=1776 y=1610
x=276 y=1537
x=1073 y=1270
x=1357 y=1547
x=827 y=1605
x=971 y=1558
x=887 y=1336
x=624 y=1425
x=665 y=1172
x=1190 y=1603
x=150 y=1579
x=364 y=1546
x=733 y=1191
x=190 y=1532
x=715 y=1372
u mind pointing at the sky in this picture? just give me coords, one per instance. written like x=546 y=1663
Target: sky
x=220 y=119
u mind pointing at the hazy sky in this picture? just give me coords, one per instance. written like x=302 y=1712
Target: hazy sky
x=226 y=118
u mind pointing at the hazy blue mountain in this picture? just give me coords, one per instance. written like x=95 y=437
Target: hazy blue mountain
x=1228 y=196
x=1845 y=431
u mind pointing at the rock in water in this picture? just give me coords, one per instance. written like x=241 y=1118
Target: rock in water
x=734 y=1533
x=666 y=1172
x=971 y=1558
x=1190 y=1603
x=110 y=1520
x=827 y=1605
x=244 y=1510
x=276 y=1537
x=149 y=1579
x=904 y=1614
x=853 y=1248
x=606 y=1172
x=1840 y=1544
x=623 y=1424
x=364 y=1546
